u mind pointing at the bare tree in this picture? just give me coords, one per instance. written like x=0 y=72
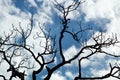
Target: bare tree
x=11 y=48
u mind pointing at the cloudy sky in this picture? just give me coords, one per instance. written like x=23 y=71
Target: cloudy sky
x=100 y=14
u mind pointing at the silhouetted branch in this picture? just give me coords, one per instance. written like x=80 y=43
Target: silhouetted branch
x=110 y=74
x=3 y=77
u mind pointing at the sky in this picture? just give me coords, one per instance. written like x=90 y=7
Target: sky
x=99 y=14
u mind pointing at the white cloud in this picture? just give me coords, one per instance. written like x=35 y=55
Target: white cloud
x=111 y=78
x=32 y=2
x=70 y=75
x=47 y=8
x=3 y=69
x=96 y=9
x=70 y=52
x=85 y=63
x=99 y=73
x=8 y=19
x=102 y=72
x=57 y=76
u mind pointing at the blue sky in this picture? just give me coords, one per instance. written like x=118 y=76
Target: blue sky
x=98 y=14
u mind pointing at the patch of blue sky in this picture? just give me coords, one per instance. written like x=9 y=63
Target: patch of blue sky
x=42 y=74
x=85 y=72
x=24 y=6
x=55 y=27
x=19 y=40
x=95 y=25
x=29 y=77
x=38 y=76
x=99 y=24
x=39 y=3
